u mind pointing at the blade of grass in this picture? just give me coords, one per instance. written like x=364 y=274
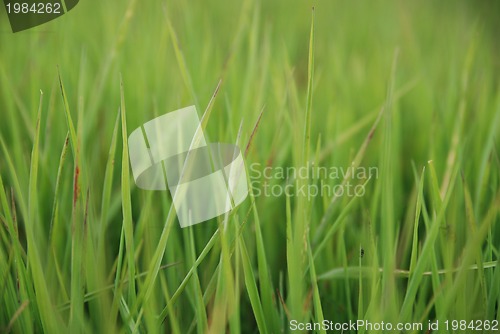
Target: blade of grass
x=418 y=210
x=318 y=309
x=126 y=202
x=251 y=287
x=365 y=272
x=425 y=254
x=472 y=224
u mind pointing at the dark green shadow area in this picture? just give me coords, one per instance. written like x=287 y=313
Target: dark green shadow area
x=70 y=4
x=27 y=14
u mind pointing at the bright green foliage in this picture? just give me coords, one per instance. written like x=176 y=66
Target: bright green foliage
x=409 y=88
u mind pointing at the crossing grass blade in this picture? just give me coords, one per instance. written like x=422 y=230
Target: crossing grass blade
x=106 y=191
x=128 y=227
x=418 y=210
x=45 y=305
x=77 y=222
x=427 y=249
x=318 y=309
x=252 y=290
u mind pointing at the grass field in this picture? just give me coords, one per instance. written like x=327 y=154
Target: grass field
x=407 y=89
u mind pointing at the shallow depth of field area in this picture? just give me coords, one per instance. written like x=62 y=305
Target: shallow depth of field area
x=407 y=89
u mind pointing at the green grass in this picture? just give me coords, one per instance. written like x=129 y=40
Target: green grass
x=409 y=88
